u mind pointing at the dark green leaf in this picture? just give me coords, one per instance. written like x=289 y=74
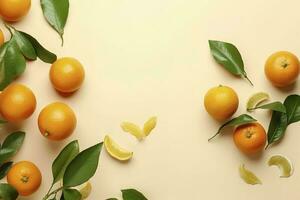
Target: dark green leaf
x=6 y=154
x=277 y=127
x=24 y=45
x=229 y=57
x=132 y=194
x=292 y=104
x=63 y=159
x=4 y=169
x=112 y=199
x=12 y=64
x=41 y=52
x=71 y=194
x=82 y=167
x=274 y=106
x=56 y=13
x=14 y=141
x=7 y=192
x=2 y=121
x=240 y=120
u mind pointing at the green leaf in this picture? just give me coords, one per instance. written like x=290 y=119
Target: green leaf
x=71 y=194
x=42 y=53
x=7 y=192
x=56 y=13
x=12 y=63
x=14 y=141
x=6 y=154
x=24 y=45
x=112 y=199
x=292 y=104
x=229 y=57
x=240 y=120
x=277 y=127
x=4 y=169
x=274 y=106
x=63 y=160
x=82 y=167
x=132 y=194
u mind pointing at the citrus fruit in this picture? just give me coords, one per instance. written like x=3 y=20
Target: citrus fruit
x=282 y=68
x=284 y=164
x=133 y=129
x=85 y=190
x=14 y=10
x=115 y=150
x=250 y=138
x=57 y=121
x=256 y=99
x=17 y=102
x=1 y=37
x=149 y=125
x=66 y=75
x=221 y=102
x=25 y=177
x=248 y=176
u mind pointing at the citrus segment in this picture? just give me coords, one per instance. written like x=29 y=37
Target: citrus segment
x=115 y=150
x=285 y=166
x=256 y=99
x=248 y=176
x=133 y=129
x=149 y=125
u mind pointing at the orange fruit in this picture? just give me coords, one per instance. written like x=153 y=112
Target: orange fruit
x=25 y=177
x=282 y=68
x=1 y=37
x=14 y=10
x=250 y=138
x=66 y=75
x=221 y=102
x=17 y=102
x=57 y=121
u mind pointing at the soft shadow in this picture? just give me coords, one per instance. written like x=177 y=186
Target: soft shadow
x=288 y=89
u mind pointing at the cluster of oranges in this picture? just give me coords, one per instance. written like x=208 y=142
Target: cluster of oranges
x=56 y=121
x=282 y=70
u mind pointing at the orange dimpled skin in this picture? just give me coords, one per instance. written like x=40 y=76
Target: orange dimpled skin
x=282 y=68
x=14 y=10
x=25 y=177
x=1 y=37
x=67 y=75
x=57 y=121
x=17 y=102
x=250 y=138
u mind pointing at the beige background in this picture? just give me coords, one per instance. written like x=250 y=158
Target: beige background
x=145 y=58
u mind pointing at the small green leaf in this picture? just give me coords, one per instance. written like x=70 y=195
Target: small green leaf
x=82 y=167
x=7 y=192
x=240 y=120
x=6 y=154
x=4 y=169
x=42 y=53
x=277 y=127
x=12 y=63
x=14 y=141
x=132 y=194
x=56 y=13
x=63 y=160
x=292 y=104
x=229 y=57
x=24 y=45
x=71 y=194
x=274 y=106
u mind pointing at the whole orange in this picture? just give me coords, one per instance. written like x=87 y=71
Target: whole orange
x=67 y=75
x=25 y=177
x=221 y=102
x=14 y=10
x=1 y=37
x=282 y=68
x=250 y=138
x=17 y=102
x=57 y=121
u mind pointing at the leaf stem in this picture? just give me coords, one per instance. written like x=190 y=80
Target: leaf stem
x=62 y=39
x=53 y=192
x=246 y=77
x=213 y=136
x=8 y=27
x=267 y=146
